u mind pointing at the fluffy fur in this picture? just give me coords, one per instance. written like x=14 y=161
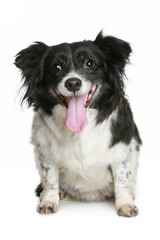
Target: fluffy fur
x=99 y=160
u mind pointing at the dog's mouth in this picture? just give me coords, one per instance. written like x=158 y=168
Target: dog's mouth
x=87 y=99
x=76 y=105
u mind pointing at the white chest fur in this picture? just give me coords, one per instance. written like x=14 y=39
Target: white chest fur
x=82 y=158
x=80 y=151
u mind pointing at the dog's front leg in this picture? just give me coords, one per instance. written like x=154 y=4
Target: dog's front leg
x=49 y=194
x=49 y=197
x=124 y=173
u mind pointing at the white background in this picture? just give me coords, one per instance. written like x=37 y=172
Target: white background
x=53 y=22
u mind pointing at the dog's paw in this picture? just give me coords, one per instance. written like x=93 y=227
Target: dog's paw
x=128 y=211
x=47 y=208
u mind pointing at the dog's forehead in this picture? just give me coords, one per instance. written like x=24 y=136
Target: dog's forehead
x=73 y=49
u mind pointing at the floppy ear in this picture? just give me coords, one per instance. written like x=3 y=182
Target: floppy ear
x=30 y=62
x=116 y=53
x=116 y=50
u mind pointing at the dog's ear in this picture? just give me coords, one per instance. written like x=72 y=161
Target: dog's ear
x=116 y=53
x=31 y=63
x=29 y=60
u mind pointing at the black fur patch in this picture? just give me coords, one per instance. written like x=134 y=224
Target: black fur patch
x=39 y=189
x=124 y=128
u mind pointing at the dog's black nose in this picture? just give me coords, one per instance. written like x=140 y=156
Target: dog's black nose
x=73 y=84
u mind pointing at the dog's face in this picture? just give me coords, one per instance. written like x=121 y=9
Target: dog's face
x=75 y=69
x=79 y=76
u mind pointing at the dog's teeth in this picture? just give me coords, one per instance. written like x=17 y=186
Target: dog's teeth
x=86 y=97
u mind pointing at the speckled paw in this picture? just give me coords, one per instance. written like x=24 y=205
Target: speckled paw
x=47 y=208
x=128 y=211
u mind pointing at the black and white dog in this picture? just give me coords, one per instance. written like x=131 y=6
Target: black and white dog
x=85 y=139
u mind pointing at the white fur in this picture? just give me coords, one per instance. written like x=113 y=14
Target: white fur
x=79 y=163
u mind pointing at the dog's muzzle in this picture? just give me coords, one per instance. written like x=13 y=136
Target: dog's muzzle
x=73 y=84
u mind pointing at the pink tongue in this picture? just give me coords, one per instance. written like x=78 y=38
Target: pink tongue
x=76 y=118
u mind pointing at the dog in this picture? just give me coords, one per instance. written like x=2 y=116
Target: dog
x=86 y=142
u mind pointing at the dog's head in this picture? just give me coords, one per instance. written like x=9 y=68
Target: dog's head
x=80 y=75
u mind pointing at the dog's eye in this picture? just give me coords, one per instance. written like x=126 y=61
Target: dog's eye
x=90 y=64
x=56 y=68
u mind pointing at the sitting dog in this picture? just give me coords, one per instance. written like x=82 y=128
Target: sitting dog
x=85 y=140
